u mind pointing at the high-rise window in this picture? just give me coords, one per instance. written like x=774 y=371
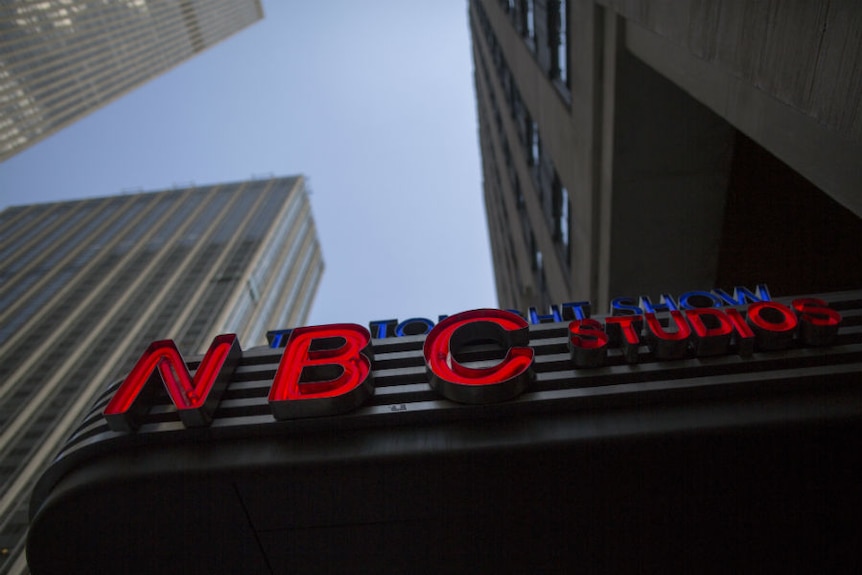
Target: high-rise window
x=558 y=39
x=519 y=195
x=535 y=158
x=565 y=218
x=527 y=19
x=562 y=217
x=535 y=144
x=535 y=253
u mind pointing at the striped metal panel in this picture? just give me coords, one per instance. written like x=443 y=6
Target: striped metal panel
x=403 y=396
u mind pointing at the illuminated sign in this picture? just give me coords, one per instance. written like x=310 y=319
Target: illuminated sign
x=326 y=370
x=570 y=311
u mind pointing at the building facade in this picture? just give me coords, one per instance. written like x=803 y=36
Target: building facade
x=87 y=285
x=635 y=147
x=60 y=60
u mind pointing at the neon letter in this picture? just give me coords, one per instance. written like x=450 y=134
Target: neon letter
x=576 y=310
x=588 y=343
x=451 y=337
x=277 y=337
x=818 y=324
x=698 y=299
x=741 y=294
x=665 y=344
x=744 y=334
x=553 y=317
x=195 y=398
x=383 y=328
x=324 y=370
x=712 y=339
x=624 y=306
x=624 y=329
x=408 y=326
x=773 y=324
x=666 y=304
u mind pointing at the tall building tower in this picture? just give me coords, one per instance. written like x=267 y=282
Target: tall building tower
x=62 y=59
x=86 y=285
x=646 y=148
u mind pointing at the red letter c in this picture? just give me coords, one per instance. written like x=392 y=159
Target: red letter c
x=481 y=384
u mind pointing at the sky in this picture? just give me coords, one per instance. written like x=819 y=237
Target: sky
x=373 y=102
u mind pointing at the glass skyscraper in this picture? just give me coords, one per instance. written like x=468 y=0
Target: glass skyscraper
x=86 y=285
x=61 y=59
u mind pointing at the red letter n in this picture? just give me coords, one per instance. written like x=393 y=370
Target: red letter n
x=195 y=398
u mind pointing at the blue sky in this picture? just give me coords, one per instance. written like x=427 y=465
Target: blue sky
x=373 y=102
